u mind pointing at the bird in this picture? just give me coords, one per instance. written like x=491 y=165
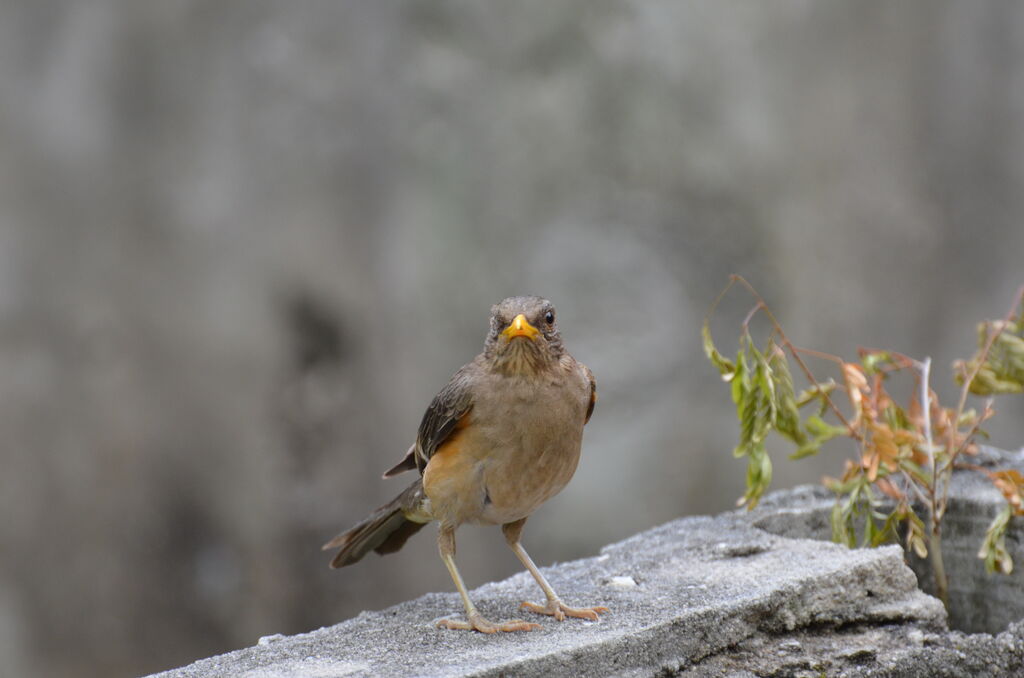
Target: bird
x=500 y=439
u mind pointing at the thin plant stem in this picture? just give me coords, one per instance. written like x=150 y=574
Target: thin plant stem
x=917 y=490
x=968 y=378
x=964 y=390
x=934 y=516
x=819 y=354
x=761 y=305
x=933 y=491
x=938 y=565
x=925 y=367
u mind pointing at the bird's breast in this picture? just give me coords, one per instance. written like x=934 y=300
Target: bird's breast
x=519 y=447
x=534 y=438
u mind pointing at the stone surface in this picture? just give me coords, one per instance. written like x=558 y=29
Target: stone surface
x=979 y=602
x=703 y=585
x=741 y=594
x=890 y=650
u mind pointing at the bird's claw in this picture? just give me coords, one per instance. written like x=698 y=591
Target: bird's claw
x=559 y=610
x=477 y=622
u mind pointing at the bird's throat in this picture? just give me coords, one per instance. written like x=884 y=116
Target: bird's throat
x=520 y=356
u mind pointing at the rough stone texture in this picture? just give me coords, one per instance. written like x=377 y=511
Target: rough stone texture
x=895 y=650
x=702 y=586
x=735 y=595
x=978 y=602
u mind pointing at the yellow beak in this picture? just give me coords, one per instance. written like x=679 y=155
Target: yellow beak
x=520 y=327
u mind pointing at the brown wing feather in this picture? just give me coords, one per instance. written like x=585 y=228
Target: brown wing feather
x=443 y=416
x=408 y=463
x=593 y=394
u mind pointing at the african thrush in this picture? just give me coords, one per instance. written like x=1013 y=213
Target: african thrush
x=500 y=439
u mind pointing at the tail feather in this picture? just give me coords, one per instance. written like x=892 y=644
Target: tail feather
x=384 y=531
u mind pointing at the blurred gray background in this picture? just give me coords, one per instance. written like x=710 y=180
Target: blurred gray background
x=243 y=244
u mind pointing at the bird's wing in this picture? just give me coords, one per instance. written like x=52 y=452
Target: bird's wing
x=593 y=392
x=408 y=463
x=448 y=408
x=444 y=415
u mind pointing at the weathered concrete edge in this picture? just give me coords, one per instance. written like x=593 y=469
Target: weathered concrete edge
x=712 y=630
x=833 y=595
x=696 y=633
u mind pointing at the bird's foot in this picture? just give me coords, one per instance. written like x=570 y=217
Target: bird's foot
x=477 y=622
x=559 y=610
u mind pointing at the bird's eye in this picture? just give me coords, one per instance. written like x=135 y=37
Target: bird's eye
x=549 y=317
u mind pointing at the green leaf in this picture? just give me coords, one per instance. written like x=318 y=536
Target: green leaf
x=915 y=532
x=808 y=449
x=993 y=549
x=816 y=392
x=741 y=379
x=724 y=365
x=764 y=378
x=1003 y=369
x=889 y=530
x=738 y=388
x=870 y=531
x=896 y=417
x=918 y=474
x=967 y=418
x=747 y=413
x=787 y=413
x=872 y=360
x=759 y=475
x=842 y=530
x=822 y=430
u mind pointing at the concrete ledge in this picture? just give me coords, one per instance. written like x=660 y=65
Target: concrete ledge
x=701 y=585
x=738 y=595
x=979 y=602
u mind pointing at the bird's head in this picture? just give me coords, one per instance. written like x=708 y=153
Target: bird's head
x=523 y=338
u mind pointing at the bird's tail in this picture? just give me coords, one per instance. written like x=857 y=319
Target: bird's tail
x=384 y=531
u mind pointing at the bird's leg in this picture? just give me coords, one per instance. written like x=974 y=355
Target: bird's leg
x=554 y=607
x=476 y=621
